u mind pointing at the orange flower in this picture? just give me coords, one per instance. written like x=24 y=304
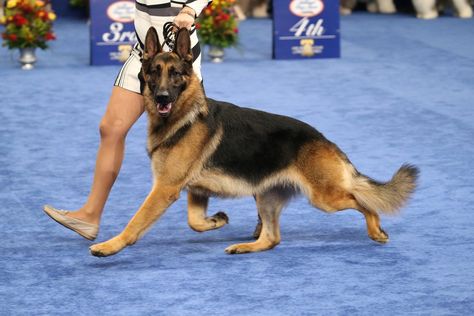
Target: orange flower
x=42 y=15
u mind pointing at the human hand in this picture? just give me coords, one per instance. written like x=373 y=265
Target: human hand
x=185 y=18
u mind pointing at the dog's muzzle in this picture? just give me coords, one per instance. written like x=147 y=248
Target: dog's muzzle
x=164 y=109
x=163 y=103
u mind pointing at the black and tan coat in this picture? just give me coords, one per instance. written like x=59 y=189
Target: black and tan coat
x=212 y=148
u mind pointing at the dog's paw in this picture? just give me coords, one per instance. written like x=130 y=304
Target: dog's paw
x=381 y=237
x=238 y=249
x=250 y=247
x=216 y=221
x=107 y=248
x=209 y=223
x=220 y=218
x=99 y=250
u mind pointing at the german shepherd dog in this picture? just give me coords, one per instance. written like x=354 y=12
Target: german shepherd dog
x=213 y=148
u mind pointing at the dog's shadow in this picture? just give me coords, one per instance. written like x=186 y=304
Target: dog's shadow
x=229 y=239
x=327 y=241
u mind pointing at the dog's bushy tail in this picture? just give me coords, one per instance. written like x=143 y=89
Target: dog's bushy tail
x=386 y=197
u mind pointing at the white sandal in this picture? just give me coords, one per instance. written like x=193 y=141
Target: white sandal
x=86 y=230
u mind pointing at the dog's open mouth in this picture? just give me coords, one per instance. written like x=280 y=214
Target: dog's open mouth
x=164 y=109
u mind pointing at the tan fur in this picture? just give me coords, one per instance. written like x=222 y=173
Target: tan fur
x=197 y=218
x=323 y=170
x=332 y=184
x=387 y=197
x=189 y=105
x=320 y=170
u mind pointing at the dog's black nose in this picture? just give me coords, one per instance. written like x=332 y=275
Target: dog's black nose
x=162 y=97
x=162 y=93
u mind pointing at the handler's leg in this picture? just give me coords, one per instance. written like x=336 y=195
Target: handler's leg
x=123 y=110
x=159 y=199
x=197 y=217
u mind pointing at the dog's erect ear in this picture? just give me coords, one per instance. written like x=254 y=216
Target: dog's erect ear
x=182 y=46
x=152 y=44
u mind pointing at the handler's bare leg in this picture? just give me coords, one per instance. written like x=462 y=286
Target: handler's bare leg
x=123 y=110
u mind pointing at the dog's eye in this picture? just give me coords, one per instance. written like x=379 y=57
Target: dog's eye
x=156 y=70
x=151 y=85
x=174 y=72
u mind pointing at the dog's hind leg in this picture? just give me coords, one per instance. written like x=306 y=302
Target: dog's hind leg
x=339 y=201
x=269 y=206
x=374 y=230
x=258 y=228
x=197 y=218
x=327 y=176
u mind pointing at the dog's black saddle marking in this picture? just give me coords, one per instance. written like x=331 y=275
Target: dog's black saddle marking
x=256 y=144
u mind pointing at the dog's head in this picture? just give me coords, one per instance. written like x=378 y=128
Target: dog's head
x=166 y=74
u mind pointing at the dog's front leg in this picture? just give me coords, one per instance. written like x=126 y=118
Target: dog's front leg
x=156 y=203
x=197 y=218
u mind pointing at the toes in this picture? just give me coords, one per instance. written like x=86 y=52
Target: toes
x=221 y=216
x=96 y=250
x=218 y=220
x=106 y=249
x=250 y=247
x=231 y=251
x=235 y=249
x=209 y=223
x=381 y=236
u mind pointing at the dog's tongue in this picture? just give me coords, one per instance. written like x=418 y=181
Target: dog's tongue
x=164 y=109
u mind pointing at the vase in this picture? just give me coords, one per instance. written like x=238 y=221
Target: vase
x=27 y=58
x=216 y=54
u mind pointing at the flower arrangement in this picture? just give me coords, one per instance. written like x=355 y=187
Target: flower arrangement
x=28 y=24
x=217 y=25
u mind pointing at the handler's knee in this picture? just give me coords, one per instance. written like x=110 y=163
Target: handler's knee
x=114 y=130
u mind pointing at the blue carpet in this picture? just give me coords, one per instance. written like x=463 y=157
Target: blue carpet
x=403 y=92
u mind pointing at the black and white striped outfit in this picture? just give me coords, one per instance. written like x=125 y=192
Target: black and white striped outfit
x=156 y=13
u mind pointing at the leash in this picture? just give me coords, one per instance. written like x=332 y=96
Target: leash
x=169 y=34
